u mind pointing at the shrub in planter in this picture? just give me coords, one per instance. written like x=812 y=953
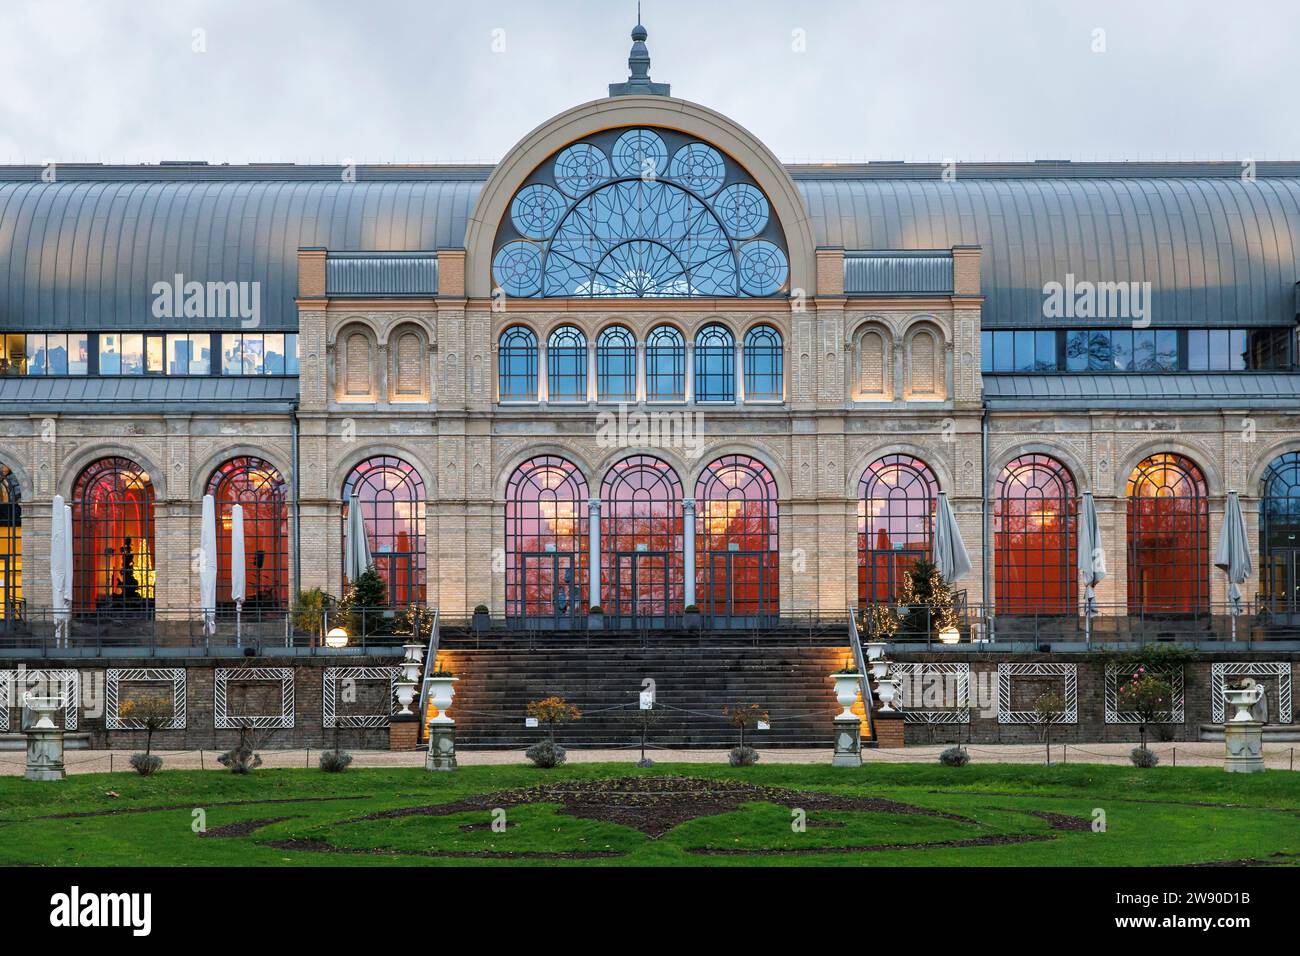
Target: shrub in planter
x=1142 y=757
x=146 y=764
x=546 y=754
x=955 y=757
x=743 y=756
x=335 y=761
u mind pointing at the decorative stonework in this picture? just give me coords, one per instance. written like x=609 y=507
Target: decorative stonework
x=68 y=679
x=1007 y=674
x=919 y=675
x=1219 y=673
x=1114 y=715
x=116 y=676
x=331 y=718
x=223 y=720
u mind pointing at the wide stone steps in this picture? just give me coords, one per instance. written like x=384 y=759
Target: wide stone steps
x=692 y=685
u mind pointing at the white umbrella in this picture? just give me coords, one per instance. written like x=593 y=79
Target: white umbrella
x=1233 y=555
x=1092 y=560
x=208 y=566
x=60 y=570
x=238 y=572
x=356 y=550
x=950 y=555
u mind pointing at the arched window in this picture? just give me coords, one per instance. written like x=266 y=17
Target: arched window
x=715 y=365
x=546 y=540
x=1279 y=536
x=1034 y=528
x=896 y=501
x=616 y=365
x=1168 y=536
x=257 y=487
x=112 y=539
x=641 y=538
x=11 y=545
x=391 y=495
x=640 y=213
x=517 y=365
x=736 y=538
x=566 y=365
x=665 y=365
x=764 y=360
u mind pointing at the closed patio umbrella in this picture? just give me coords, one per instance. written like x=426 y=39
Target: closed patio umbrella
x=238 y=572
x=60 y=571
x=1233 y=555
x=208 y=566
x=950 y=555
x=356 y=548
x=1092 y=560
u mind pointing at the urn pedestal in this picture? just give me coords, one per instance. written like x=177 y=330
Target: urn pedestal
x=441 y=754
x=45 y=753
x=848 y=742
x=1243 y=744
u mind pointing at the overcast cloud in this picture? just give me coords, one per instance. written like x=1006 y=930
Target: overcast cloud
x=411 y=81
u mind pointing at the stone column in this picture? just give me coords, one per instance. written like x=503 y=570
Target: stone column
x=740 y=372
x=593 y=556
x=848 y=742
x=688 y=547
x=690 y=372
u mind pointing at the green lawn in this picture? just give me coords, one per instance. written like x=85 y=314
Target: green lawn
x=607 y=814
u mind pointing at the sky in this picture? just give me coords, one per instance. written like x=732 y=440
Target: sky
x=435 y=81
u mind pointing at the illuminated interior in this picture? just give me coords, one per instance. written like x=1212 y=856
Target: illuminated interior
x=1034 y=537
x=641 y=538
x=259 y=489
x=11 y=545
x=896 y=502
x=391 y=495
x=1279 y=536
x=737 y=555
x=546 y=539
x=1168 y=536
x=113 y=539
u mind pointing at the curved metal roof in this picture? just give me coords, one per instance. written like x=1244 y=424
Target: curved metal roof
x=84 y=252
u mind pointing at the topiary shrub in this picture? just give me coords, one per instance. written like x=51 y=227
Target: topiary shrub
x=146 y=764
x=743 y=756
x=1142 y=757
x=547 y=754
x=335 y=761
x=955 y=757
x=243 y=757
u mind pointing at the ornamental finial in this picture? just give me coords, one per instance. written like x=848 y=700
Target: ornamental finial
x=638 y=67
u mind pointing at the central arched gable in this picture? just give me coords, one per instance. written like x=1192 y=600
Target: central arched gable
x=690 y=119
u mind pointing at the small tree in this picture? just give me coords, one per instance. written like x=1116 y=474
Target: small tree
x=643 y=721
x=366 y=593
x=309 y=611
x=150 y=714
x=928 y=599
x=417 y=622
x=1147 y=695
x=553 y=710
x=743 y=716
x=1049 y=708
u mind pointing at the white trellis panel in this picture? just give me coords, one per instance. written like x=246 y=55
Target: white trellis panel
x=1007 y=673
x=1174 y=675
x=330 y=717
x=68 y=679
x=116 y=676
x=222 y=719
x=1219 y=674
x=920 y=674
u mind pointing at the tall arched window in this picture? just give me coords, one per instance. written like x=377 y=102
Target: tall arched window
x=257 y=487
x=391 y=495
x=1034 y=528
x=896 y=501
x=1279 y=536
x=641 y=538
x=566 y=364
x=11 y=545
x=1168 y=536
x=616 y=365
x=665 y=365
x=715 y=365
x=517 y=365
x=546 y=540
x=764 y=359
x=736 y=538
x=112 y=538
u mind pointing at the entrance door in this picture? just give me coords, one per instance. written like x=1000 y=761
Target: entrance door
x=737 y=587
x=1283 y=597
x=641 y=582
x=549 y=587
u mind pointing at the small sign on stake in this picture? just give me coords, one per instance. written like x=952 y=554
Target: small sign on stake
x=764 y=725
x=530 y=721
x=647 y=700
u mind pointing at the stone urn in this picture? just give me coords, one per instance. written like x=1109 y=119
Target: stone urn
x=405 y=694
x=1243 y=698
x=44 y=709
x=887 y=689
x=846 y=692
x=414 y=652
x=441 y=691
x=874 y=650
x=879 y=668
x=410 y=671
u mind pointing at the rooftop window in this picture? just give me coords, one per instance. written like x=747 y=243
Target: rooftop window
x=1137 y=350
x=148 y=353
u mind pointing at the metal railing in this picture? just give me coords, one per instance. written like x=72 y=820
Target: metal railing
x=864 y=677
x=430 y=656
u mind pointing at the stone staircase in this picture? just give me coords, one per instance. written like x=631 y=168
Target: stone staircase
x=695 y=675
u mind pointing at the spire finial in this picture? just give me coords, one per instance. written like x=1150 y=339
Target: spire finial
x=638 y=66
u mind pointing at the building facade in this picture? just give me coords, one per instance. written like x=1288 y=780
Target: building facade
x=640 y=363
